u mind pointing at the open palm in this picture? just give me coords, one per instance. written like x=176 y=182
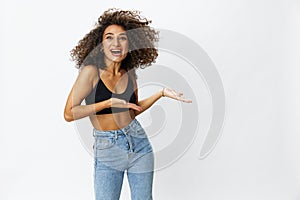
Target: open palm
x=171 y=93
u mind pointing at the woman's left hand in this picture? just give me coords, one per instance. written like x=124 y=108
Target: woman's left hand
x=171 y=93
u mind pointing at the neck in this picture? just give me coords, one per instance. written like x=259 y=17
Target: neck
x=113 y=67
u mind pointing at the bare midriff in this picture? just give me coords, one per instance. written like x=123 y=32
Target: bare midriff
x=112 y=121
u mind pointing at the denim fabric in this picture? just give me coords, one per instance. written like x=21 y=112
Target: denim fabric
x=116 y=151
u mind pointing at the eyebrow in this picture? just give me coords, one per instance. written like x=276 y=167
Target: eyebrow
x=112 y=34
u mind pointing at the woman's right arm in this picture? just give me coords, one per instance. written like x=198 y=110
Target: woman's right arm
x=81 y=88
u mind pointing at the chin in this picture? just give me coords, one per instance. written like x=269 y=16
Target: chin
x=116 y=59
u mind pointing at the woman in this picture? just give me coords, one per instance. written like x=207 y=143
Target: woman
x=108 y=57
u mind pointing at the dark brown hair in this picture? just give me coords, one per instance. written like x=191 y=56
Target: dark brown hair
x=141 y=38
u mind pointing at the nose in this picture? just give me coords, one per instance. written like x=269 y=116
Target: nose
x=116 y=42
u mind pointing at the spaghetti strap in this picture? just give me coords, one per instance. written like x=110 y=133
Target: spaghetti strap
x=98 y=72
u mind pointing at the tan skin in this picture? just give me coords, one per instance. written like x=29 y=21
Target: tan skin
x=115 y=47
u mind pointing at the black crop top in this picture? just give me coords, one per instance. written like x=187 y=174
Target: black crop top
x=100 y=93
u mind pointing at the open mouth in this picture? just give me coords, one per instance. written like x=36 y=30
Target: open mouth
x=116 y=52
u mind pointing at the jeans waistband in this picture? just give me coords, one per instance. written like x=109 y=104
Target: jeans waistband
x=123 y=130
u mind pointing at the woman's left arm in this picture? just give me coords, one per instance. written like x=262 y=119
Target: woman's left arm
x=164 y=92
x=148 y=102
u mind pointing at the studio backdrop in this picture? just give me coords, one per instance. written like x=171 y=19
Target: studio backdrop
x=238 y=60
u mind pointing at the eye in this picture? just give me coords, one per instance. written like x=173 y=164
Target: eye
x=123 y=38
x=109 y=38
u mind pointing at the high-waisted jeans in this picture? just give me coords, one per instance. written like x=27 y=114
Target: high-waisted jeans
x=116 y=151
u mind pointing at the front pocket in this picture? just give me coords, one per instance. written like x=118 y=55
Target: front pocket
x=104 y=142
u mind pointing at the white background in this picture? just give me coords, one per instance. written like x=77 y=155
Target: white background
x=255 y=47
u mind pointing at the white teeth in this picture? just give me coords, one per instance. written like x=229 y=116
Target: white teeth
x=116 y=51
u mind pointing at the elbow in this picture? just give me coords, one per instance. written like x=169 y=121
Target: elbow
x=136 y=113
x=68 y=117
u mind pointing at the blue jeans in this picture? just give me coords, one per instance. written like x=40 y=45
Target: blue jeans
x=116 y=151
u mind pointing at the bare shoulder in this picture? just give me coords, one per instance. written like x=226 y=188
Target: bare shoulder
x=89 y=72
x=132 y=75
x=90 y=69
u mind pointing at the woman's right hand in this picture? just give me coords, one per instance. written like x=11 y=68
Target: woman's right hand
x=120 y=103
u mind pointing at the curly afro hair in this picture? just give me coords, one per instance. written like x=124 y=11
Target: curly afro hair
x=141 y=38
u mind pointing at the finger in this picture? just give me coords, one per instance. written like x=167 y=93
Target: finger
x=184 y=100
x=134 y=106
x=187 y=100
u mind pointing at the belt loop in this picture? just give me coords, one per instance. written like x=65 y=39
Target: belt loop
x=125 y=130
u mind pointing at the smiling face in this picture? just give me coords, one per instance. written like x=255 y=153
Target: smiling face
x=115 y=44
